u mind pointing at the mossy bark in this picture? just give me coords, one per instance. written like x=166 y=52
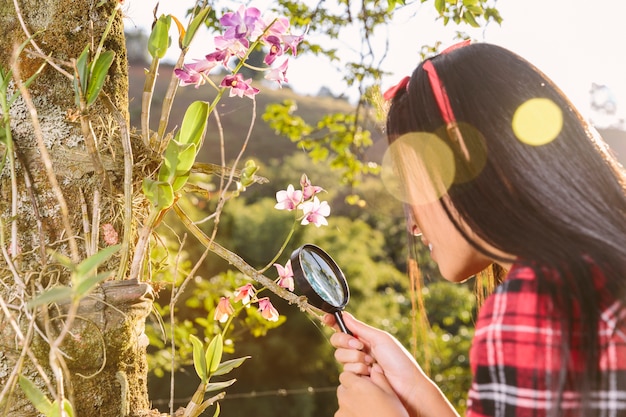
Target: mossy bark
x=105 y=352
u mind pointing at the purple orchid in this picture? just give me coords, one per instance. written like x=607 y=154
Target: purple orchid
x=244 y=23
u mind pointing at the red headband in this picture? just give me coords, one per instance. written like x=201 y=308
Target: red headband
x=441 y=97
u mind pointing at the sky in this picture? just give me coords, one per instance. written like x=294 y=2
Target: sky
x=575 y=42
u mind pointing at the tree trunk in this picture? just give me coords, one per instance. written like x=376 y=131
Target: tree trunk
x=62 y=210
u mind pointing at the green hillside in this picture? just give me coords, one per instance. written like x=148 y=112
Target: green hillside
x=235 y=115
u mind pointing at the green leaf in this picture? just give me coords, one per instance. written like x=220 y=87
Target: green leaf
x=214 y=353
x=180 y=182
x=36 y=396
x=177 y=160
x=217 y=410
x=52 y=295
x=89 y=265
x=470 y=19
x=67 y=407
x=81 y=76
x=440 y=6
x=194 y=25
x=216 y=386
x=199 y=360
x=82 y=67
x=99 y=72
x=194 y=123
x=227 y=366
x=87 y=285
x=160 y=193
x=159 y=39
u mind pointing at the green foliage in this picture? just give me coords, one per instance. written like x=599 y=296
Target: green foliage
x=199 y=19
x=337 y=138
x=178 y=158
x=84 y=278
x=42 y=403
x=159 y=40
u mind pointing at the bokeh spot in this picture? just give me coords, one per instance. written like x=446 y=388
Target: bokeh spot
x=418 y=168
x=537 y=121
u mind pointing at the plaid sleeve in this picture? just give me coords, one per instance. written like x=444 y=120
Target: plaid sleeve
x=516 y=353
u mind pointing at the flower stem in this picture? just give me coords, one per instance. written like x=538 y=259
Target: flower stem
x=282 y=248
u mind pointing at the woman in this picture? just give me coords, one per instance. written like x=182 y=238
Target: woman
x=499 y=170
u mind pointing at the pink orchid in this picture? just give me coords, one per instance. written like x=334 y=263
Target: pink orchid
x=219 y=55
x=279 y=26
x=315 y=212
x=195 y=73
x=276 y=49
x=223 y=310
x=267 y=310
x=235 y=46
x=288 y=199
x=285 y=275
x=239 y=86
x=308 y=190
x=279 y=73
x=244 y=293
x=291 y=43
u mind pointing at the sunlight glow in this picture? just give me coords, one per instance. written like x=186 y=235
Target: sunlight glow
x=537 y=121
x=418 y=168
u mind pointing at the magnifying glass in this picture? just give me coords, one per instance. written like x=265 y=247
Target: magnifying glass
x=318 y=277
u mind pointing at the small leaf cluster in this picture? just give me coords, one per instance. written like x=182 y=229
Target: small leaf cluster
x=178 y=158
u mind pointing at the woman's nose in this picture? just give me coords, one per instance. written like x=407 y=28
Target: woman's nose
x=415 y=230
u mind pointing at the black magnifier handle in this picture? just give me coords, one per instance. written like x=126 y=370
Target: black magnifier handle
x=340 y=323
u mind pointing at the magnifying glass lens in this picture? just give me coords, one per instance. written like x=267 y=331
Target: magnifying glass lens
x=319 y=278
x=323 y=279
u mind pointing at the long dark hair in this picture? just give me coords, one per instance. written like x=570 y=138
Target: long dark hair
x=559 y=207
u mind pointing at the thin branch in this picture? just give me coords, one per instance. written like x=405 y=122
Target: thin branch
x=243 y=266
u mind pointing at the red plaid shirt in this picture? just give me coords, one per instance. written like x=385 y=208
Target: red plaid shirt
x=516 y=352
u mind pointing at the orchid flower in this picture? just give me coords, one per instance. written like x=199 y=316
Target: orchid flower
x=291 y=43
x=244 y=23
x=315 y=212
x=276 y=49
x=279 y=73
x=267 y=310
x=308 y=190
x=235 y=46
x=244 y=293
x=288 y=199
x=195 y=73
x=278 y=26
x=222 y=55
x=285 y=275
x=239 y=86
x=223 y=310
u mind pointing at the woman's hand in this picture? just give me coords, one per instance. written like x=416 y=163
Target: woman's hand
x=360 y=396
x=372 y=349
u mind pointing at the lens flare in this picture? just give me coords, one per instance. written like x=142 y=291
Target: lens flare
x=537 y=121
x=418 y=168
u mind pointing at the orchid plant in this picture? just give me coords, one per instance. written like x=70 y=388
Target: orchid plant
x=244 y=31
